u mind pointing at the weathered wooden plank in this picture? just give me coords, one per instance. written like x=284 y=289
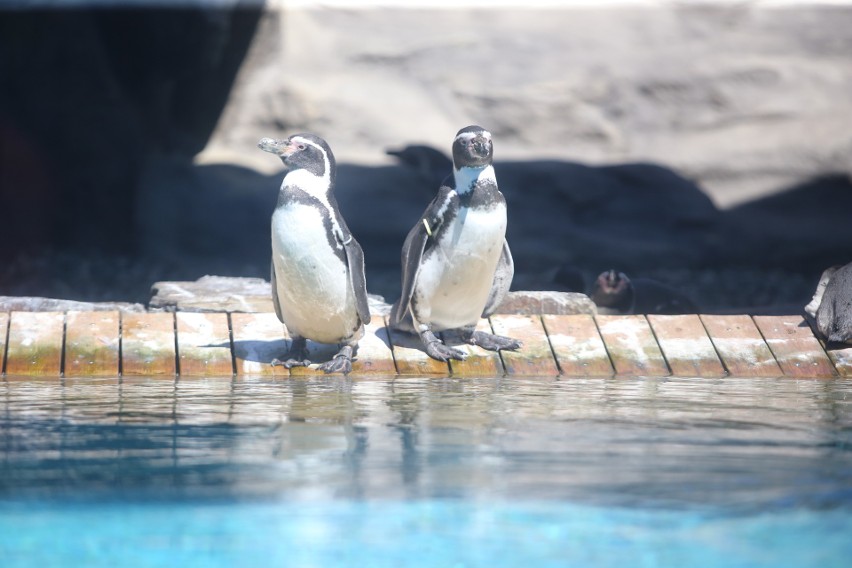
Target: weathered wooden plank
x=148 y=344
x=841 y=356
x=631 y=346
x=375 y=355
x=35 y=343
x=92 y=344
x=204 y=344
x=796 y=349
x=578 y=346
x=686 y=346
x=480 y=362
x=258 y=339
x=4 y=326
x=740 y=345
x=535 y=357
x=410 y=357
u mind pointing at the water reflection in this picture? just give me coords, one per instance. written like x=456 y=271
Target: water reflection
x=727 y=442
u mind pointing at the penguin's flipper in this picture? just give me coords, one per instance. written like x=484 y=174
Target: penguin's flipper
x=413 y=250
x=274 y=284
x=412 y=255
x=357 y=276
x=502 y=281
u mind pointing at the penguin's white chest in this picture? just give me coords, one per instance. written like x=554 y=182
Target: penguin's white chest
x=316 y=299
x=456 y=276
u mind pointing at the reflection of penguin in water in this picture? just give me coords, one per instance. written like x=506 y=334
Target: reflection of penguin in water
x=614 y=293
x=831 y=306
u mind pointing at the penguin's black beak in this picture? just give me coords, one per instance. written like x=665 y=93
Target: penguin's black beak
x=281 y=148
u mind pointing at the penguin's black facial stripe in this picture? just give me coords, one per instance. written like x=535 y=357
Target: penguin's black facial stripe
x=307 y=155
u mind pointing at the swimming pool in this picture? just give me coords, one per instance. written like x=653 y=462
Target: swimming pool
x=425 y=472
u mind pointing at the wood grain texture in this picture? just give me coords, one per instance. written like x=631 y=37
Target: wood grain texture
x=841 y=357
x=35 y=343
x=480 y=362
x=148 y=344
x=258 y=339
x=797 y=351
x=92 y=344
x=686 y=346
x=204 y=344
x=534 y=358
x=578 y=346
x=375 y=355
x=741 y=346
x=632 y=346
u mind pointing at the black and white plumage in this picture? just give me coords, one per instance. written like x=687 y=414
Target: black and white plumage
x=831 y=306
x=318 y=285
x=456 y=263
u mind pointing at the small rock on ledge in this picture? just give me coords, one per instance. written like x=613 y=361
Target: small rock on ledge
x=212 y=294
x=547 y=302
x=36 y=304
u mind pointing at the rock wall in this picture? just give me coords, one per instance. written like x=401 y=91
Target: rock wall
x=745 y=98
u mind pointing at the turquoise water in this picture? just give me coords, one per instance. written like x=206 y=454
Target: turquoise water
x=426 y=472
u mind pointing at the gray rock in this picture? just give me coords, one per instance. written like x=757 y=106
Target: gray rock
x=543 y=302
x=35 y=304
x=213 y=294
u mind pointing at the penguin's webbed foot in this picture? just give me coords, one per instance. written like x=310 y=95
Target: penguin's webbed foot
x=493 y=342
x=437 y=350
x=290 y=363
x=341 y=363
x=297 y=356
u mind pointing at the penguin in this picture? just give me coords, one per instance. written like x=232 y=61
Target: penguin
x=456 y=263
x=614 y=293
x=319 y=288
x=831 y=306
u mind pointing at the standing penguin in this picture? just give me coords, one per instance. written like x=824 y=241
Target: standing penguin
x=456 y=263
x=318 y=286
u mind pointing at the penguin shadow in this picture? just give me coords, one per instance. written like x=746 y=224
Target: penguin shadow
x=264 y=351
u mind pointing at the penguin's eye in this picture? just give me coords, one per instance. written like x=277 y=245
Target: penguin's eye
x=301 y=146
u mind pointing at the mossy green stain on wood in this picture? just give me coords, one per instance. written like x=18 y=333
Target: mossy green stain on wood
x=204 y=344
x=35 y=343
x=148 y=344
x=92 y=344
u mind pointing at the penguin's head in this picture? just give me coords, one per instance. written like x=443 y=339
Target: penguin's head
x=613 y=290
x=472 y=148
x=301 y=151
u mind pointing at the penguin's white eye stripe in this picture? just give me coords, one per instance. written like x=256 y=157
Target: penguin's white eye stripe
x=304 y=142
x=472 y=135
